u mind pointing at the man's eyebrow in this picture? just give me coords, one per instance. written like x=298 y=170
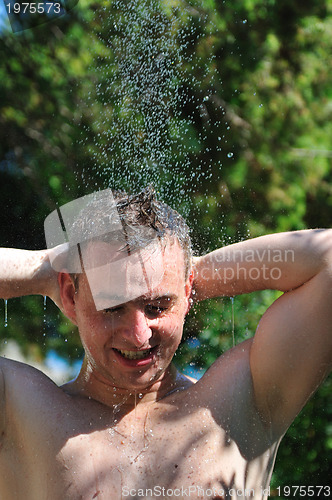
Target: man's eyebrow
x=171 y=297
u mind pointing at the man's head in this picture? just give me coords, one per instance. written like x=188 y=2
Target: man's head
x=147 y=259
x=130 y=222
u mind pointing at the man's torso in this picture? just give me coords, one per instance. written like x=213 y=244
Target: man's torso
x=62 y=447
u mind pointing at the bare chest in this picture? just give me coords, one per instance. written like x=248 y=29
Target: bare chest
x=150 y=456
x=82 y=451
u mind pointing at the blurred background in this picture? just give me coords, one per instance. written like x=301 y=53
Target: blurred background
x=225 y=107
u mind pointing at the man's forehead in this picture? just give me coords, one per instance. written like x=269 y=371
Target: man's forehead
x=101 y=252
x=116 y=275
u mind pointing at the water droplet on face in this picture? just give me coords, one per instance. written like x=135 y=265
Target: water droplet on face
x=140 y=395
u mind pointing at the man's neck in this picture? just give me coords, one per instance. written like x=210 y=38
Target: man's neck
x=93 y=385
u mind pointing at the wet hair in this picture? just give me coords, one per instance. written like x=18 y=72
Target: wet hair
x=135 y=212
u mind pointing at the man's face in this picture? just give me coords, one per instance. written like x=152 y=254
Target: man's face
x=132 y=344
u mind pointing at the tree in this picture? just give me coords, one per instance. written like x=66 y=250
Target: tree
x=224 y=106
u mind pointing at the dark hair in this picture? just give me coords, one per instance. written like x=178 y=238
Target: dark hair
x=136 y=211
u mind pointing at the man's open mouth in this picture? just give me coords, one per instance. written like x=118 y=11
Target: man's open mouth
x=135 y=354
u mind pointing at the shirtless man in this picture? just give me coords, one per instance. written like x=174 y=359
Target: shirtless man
x=130 y=426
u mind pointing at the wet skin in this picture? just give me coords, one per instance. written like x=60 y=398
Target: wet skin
x=150 y=321
x=129 y=424
x=63 y=446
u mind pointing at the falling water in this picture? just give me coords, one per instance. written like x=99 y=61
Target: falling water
x=147 y=101
x=233 y=321
x=44 y=316
x=6 y=312
x=141 y=136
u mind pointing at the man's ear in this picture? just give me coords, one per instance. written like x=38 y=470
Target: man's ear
x=67 y=293
x=188 y=290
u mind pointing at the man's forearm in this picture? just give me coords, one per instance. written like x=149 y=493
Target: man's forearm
x=24 y=272
x=281 y=261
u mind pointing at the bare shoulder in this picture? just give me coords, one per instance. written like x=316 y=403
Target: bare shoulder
x=226 y=393
x=229 y=371
x=226 y=386
x=12 y=370
x=24 y=387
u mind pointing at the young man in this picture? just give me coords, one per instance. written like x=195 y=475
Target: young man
x=130 y=425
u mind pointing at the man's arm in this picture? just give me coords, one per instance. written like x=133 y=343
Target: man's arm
x=26 y=272
x=291 y=352
x=23 y=272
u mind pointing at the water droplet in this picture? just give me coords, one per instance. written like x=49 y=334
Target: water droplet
x=44 y=316
x=6 y=312
x=230 y=155
x=233 y=321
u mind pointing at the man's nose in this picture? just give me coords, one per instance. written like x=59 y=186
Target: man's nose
x=137 y=330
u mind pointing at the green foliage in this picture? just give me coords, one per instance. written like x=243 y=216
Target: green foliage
x=304 y=457
x=225 y=106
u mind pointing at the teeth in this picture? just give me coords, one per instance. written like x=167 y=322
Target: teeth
x=134 y=354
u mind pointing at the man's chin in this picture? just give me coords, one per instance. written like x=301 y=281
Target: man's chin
x=144 y=382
